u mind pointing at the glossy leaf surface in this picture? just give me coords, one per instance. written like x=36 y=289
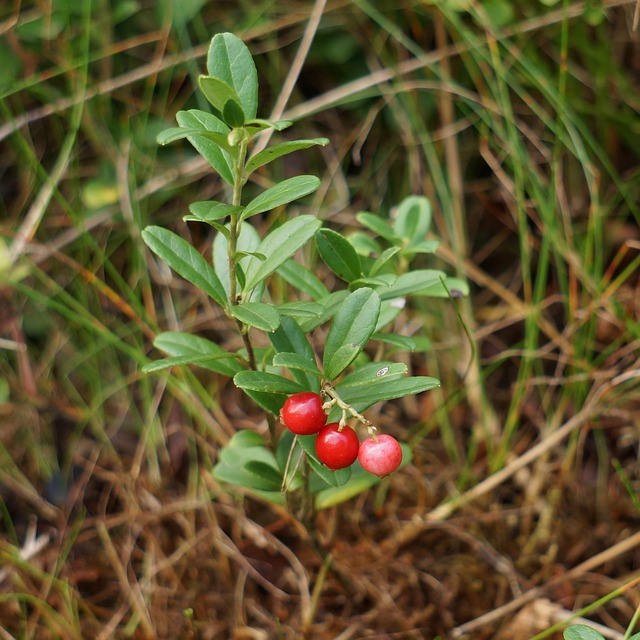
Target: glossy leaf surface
x=278 y=150
x=339 y=255
x=352 y=327
x=282 y=193
x=278 y=246
x=186 y=345
x=230 y=60
x=185 y=260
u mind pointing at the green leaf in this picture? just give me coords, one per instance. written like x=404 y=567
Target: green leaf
x=257 y=314
x=230 y=60
x=363 y=396
x=374 y=372
x=210 y=210
x=581 y=632
x=384 y=280
x=289 y=338
x=296 y=361
x=177 y=133
x=413 y=219
x=365 y=245
x=179 y=344
x=376 y=224
x=411 y=282
x=302 y=279
x=300 y=309
x=223 y=99
x=270 y=478
x=185 y=260
x=277 y=151
x=331 y=304
x=282 y=193
x=270 y=402
x=245 y=439
x=216 y=156
x=427 y=246
x=278 y=246
x=383 y=259
x=260 y=124
x=405 y=343
x=176 y=361
x=359 y=482
x=454 y=287
x=338 y=254
x=266 y=382
x=332 y=478
x=232 y=114
x=352 y=327
x=248 y=241
x=246 y=462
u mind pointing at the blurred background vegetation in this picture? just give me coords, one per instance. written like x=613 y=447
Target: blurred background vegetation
x=520 y=122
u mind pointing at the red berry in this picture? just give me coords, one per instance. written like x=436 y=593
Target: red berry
x=303 y=414
x=337 y=449
x=381 y=456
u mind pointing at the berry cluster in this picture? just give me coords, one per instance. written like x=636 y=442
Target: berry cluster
x=337 y=446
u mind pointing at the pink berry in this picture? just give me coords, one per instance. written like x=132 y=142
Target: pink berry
x=380 y=456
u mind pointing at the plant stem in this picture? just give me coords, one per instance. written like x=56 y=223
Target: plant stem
x=328 y=390
x=232 y=246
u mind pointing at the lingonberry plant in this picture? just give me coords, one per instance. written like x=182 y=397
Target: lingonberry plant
x=310 y=375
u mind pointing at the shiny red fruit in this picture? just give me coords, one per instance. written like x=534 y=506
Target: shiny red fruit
x=337 y=449
x=381 y=456
x=303 y=414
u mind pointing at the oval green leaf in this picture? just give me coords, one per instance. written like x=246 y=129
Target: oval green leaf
x=185 y=260
x=413 y=219
x=216 y=156
x=289 y=338
x=210 y=211
x=339 y=255
x=378 y=225
x=581 y=632
x=278 y=246
x=256 y=314
x=302 y=279
x=265 y=382
x=411 y=282
x=220 y=94
x=350 y=330
x=229 y=60
x=179 y=361
x=365 y=395
x=278 y=150
x=374 y=372
x=300 y=309
x=247 y=242
x=179 y=344
x=282 y=193
x=296 y=361
x=177 y=133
